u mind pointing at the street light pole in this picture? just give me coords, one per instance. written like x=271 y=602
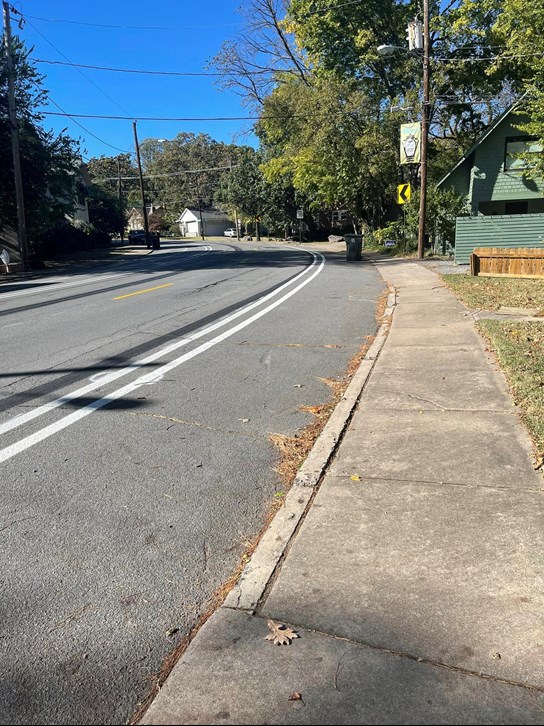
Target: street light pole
x=18 y=178
x=424 y=132
x=142 y=192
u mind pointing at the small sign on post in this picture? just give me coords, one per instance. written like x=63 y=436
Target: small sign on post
x=300 y=213
x=404 y=193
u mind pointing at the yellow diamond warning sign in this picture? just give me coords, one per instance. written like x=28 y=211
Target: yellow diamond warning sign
x=404 y=193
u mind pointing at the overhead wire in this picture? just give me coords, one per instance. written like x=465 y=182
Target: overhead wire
x=130 y=27
x=106 y=143
x=142 y=71
x=79 y=70
x=173 y=173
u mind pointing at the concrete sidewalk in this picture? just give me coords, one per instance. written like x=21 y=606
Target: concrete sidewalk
x=415 y=580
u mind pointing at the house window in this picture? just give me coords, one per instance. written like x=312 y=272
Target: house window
x=516 y=145
x=516 y=207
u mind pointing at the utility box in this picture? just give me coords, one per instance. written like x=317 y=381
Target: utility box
x=354 y=247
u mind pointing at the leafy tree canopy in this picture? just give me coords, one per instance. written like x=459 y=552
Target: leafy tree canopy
x=49 y=162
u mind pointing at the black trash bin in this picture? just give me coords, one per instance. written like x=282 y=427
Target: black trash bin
x=354 y=246
x=154 y=241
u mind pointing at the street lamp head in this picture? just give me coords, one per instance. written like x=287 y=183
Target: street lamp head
x=387 y=49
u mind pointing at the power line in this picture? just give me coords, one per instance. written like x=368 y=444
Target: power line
x=124 y=151
x=78 y=70
x=130 y=70
x=490 y=59
x=331 y=7
x=165 y=118
x=125 y=27
x=174 y=173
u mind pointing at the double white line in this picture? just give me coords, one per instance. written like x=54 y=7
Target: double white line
x=303 y=278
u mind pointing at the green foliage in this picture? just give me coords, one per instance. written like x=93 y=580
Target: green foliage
x=340 y=154
x=520 y=28
x=49 y=162
x=198 y=163
x=243 y=189
x=104 y=172
x=105 y=214
x=443 y=206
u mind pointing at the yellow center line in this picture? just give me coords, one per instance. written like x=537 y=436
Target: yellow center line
x=141 y=292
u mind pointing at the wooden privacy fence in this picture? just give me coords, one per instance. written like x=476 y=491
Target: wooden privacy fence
x=507 y=262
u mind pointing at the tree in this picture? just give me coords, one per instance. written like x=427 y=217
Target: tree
x=49 y=162
x=243 y=190
x=344 y=159
x=105 y=214
x=520 y=29
x=104 y=172
x=263 y=55
x=185 y=169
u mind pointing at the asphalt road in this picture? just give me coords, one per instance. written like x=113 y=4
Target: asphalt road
x=136 y=404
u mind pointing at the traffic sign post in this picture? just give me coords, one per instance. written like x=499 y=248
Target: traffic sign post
x=300 y=217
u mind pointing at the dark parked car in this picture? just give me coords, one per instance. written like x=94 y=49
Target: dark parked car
x=137 y=236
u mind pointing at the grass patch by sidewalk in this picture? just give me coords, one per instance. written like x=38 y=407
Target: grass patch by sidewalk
x=519 y=347
x=490 y=293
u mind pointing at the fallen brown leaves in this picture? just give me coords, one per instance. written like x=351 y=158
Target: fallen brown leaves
x=294 y=449
x=280 y=634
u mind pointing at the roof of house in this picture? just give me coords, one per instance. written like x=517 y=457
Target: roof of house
x=207 y=214
x=489 y=130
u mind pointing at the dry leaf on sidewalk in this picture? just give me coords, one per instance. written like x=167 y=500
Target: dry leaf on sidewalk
x=280 y=634
x=296 y=696
x=355 y=477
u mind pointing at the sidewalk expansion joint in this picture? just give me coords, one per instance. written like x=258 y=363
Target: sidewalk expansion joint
x=437 y=482
x=410 y=656
x=404 y=394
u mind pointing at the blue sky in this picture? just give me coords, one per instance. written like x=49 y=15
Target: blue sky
x=194 y=35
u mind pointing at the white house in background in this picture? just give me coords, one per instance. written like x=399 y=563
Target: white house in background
x=215 y=223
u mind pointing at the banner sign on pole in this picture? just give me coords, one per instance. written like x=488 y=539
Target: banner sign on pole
x=410 y=143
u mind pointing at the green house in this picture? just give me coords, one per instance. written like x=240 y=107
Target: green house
x=505 y=207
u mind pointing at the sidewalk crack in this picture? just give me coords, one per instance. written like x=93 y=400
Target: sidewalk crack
x=439 y=482
x=411 y=656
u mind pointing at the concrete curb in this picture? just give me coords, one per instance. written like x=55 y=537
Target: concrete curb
x=250 y=588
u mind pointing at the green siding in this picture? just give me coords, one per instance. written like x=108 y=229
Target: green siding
x=517 y=230
x=488 y=179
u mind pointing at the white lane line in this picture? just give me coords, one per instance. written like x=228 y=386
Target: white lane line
x=149 y=378
x=53 y=286
x=108 y=377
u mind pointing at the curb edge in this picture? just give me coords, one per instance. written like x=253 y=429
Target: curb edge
x=251 y=586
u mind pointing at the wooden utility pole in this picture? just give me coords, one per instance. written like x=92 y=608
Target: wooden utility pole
x=18 y=178
x=120 y=193
x=200 y=209
x=425 y=114
x=235 y=211
x=142 y=192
